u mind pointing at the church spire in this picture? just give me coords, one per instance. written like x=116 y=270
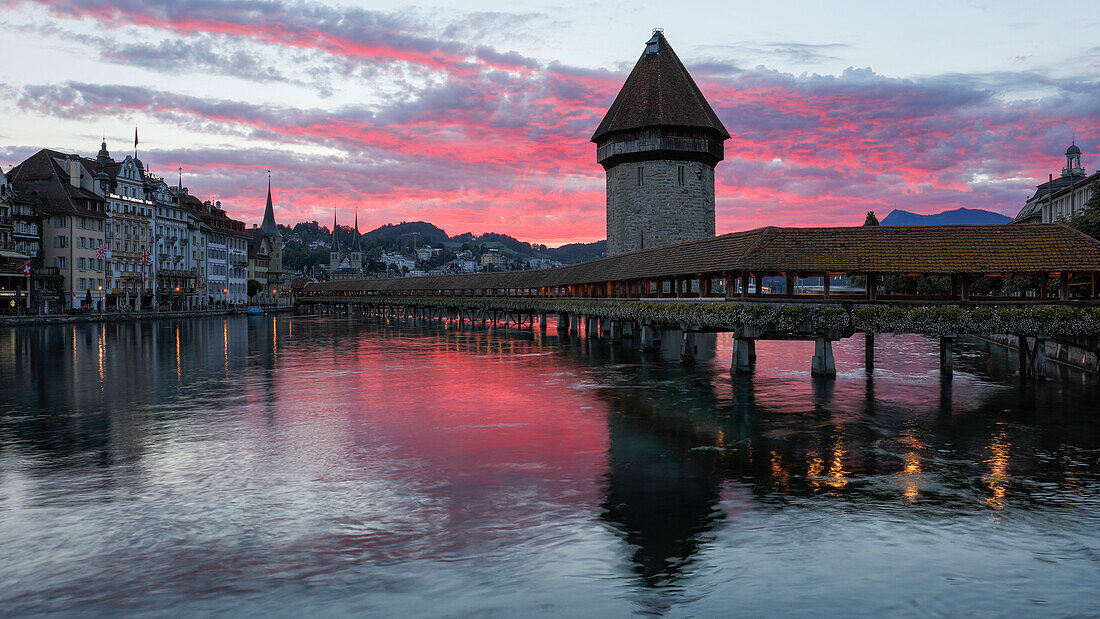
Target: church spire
x=268 y=226
x=355 y=246
x=335 y=239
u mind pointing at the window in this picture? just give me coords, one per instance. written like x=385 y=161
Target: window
x=60 y=221
x=641 y=178
x=99 y=264
x=61 y=241
x=83 y=223
x=680 y=175
x=62 y=263
x=82 y=284
x=82 y=246
x=82 y=264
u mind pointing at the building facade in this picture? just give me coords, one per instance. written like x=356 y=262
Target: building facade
x=1062 y=196
x=659 y=144
x=73 y=205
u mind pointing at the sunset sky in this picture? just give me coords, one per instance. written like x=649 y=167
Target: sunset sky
x=479 y=118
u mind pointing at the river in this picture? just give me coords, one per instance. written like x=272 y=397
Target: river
x=293 y=464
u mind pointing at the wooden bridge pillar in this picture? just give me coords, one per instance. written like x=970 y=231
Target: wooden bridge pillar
x=616 y=331
x=651 y=337
x=563 y=322
x=744 y=356
x=1040 y=357
x=629 y=329
x=823 y=363
x=689 y=349
x=947 y=361
x=869 y=352
x=542 y=323
x=592 y=327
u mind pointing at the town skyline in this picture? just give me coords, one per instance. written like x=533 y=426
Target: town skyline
x=478 y=120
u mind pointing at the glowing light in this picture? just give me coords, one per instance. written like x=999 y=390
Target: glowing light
x=998 y=476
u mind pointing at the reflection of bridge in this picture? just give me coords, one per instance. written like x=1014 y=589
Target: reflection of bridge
x=718 y=284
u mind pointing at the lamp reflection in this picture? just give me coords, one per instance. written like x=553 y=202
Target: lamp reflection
x=998 y=478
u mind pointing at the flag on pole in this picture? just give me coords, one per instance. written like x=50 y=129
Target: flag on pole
x=145 y=256
x=26 y=269
x=101 y=251
x=135 y=137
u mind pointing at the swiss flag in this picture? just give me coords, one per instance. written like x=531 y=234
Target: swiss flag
x=26 y=269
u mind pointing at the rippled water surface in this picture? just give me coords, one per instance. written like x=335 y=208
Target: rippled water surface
x=294 y=464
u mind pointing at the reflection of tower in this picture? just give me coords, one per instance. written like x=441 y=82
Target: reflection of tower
x=661 y=497
x=658 y=145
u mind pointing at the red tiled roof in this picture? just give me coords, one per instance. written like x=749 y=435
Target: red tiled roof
x=932 y=250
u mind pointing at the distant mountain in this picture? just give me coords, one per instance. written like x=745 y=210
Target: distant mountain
x=959 y=216
x=428 y=232
x=573 y=253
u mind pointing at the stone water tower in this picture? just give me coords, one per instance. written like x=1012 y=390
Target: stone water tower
x=659 y=144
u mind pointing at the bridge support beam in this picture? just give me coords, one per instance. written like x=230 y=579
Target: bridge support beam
x=651 y=337
x=574 y=324
x=592 y=327
x=563 y=323
x=869 y=352
x=1040 y=357
x=744 y=356
x=616 y=331
x=947 y=356
x=629 y=329
x=542 y=323
x=823 y=363
x=689 y=348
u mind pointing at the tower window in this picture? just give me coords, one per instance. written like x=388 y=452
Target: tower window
x=641 y=178
x=680 y=175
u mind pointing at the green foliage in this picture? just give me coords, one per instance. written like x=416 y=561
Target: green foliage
x=933 y=320
x=1087 y=218
x=871 y=220
x=254 y=287
x=790 y=317
x=831 y=319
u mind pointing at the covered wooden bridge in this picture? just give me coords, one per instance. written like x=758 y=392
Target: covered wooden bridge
x=733 y=266
x=790 y=269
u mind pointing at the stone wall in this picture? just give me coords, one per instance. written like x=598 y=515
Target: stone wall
x=656 y=209
x=1066 y=353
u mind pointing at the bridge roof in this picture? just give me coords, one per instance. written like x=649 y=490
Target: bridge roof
x=931 y=250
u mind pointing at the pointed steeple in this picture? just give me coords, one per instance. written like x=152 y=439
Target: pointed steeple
x=355 y=246
x=659 y=93
x=268 y=226
x=335 y=239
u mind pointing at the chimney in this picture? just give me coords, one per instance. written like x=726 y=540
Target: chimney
x=74 y=170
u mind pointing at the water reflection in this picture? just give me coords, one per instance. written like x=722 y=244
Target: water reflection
x=385 y=458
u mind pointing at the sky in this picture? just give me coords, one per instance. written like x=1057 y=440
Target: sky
x=476 y=116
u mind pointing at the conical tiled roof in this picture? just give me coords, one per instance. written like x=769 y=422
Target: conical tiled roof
x=659 y=92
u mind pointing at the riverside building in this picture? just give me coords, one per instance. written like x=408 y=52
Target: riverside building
x=1062 y=196
x=72 y=201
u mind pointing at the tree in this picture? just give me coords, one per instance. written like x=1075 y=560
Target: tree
x=1087 y=218
x=871 y=219
x=254 y=288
